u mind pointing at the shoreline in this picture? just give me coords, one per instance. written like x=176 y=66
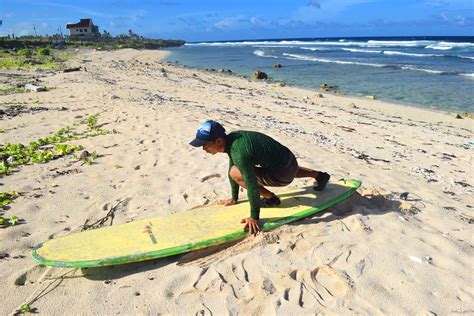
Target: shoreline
x=364 y=98
x=374 y=253
x=406 y=88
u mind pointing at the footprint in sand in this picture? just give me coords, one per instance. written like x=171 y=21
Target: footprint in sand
x=31 y=275
x=354 y=260
x=330 y=284
x=319 y=287
x=356 y=224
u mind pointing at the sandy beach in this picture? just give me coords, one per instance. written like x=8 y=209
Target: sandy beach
x=374 y=253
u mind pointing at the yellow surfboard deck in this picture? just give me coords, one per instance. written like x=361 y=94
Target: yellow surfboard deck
x=183 y=231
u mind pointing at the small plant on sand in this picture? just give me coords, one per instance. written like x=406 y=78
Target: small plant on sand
x=44 y=51
x=4 y=168
x=11 y=90
x=24 y=309
x=47 y=148
x=13 y=220
x=6 y=222
x=38 y=151
x=90 y=160
x=24 y=52
x=7 y=198
x=92 y=121
x=93 y=129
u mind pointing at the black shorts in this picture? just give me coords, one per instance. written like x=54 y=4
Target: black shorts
x=279 y=177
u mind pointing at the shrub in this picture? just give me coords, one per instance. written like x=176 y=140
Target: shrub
x=24 y=52
x=43 y=51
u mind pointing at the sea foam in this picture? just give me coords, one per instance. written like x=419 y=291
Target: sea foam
x=323 y=60
x=449 y=45
x=344 y=62
x=355 y=50
x=261 y=53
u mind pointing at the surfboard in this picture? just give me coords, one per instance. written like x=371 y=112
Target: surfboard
x=183 y=231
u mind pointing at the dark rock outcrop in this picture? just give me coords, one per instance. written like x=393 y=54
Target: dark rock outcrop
x=327 y=87
x=259 y=75
x=223 y=70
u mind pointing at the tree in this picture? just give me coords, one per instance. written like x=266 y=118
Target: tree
x=133 y=35
x=106 y=34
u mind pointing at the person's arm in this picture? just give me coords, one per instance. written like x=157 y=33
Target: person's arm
x=234 y=187
x=247 y=169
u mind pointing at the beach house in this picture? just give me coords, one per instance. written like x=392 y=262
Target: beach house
x=84 y=30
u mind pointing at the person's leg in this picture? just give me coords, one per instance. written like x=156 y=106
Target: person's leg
x=306 y=173
x=237 y=177
x=321 y=178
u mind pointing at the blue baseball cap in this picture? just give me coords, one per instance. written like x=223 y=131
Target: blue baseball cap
x=208 y=131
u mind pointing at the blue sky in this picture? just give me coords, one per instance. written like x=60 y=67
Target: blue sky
x=230 y=20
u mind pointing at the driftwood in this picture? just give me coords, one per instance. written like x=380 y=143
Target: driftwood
x=72 y=69
x=101 y=222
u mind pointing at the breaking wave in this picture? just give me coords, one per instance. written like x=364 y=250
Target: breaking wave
x=449 y=45
x=389 y=52
x=345 y=62
x=261 y=53
x=374 y=43
x=355 y=50
x=395 y=53
x=323 y=60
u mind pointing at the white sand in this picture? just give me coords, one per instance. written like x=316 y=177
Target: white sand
x=371 y=254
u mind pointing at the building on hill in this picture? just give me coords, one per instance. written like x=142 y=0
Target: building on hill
x=84 y=30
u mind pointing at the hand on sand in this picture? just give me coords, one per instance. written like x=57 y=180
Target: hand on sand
x=251 y=225
x=228 y=202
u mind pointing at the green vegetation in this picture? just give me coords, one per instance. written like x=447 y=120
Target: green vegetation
x=47 y=148
x=25 y=308
x=92 y=121
x=93 y=128
x=43 y=45
x=42 y=151
x=11 y=90
x=24 y=52
x=5 y=222
x=44 y=51
x=6 y=198
x=90 y=160
x=39 y=52
x=30 y=58
x=37 y=152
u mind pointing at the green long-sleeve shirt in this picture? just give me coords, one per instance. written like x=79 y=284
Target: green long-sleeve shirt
x=247 y=150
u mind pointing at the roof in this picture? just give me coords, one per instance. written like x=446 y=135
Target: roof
x=82 y=23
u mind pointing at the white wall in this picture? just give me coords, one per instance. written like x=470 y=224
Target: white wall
x=86 y=32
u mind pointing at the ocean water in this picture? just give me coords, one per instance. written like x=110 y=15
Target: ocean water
x=432 y=72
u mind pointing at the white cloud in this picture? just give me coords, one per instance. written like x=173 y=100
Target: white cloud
x=230 y=22
x=460 y=20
